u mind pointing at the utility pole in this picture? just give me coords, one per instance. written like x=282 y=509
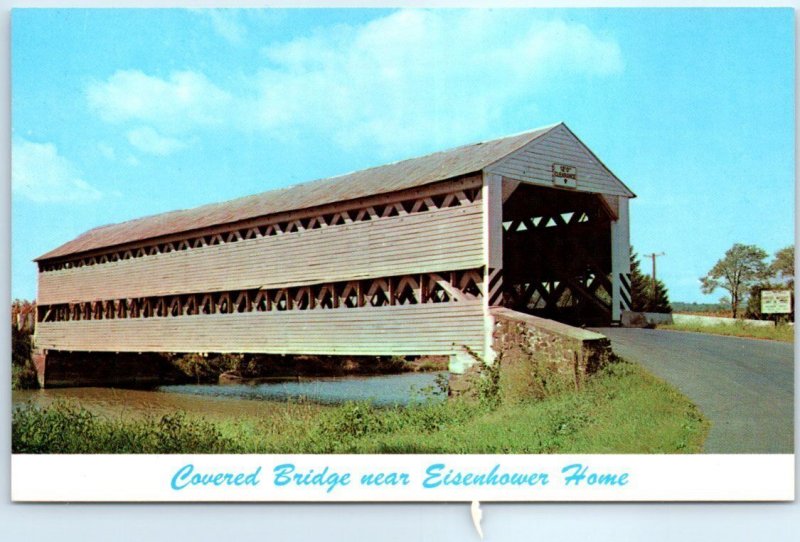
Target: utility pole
x=653 y=256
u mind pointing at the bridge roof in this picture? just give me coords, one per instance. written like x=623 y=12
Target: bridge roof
x=384 y=179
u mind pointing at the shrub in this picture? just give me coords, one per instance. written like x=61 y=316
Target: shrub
x=485 y=380
x=23 y=372
x=60 y=428
x=353 y=420
x=20 y=346
x=207 y=368
x=66 y=428
x=24 y=377
x=177 y=434
x=353 y=427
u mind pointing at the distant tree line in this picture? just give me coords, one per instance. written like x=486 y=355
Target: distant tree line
x=695 y=307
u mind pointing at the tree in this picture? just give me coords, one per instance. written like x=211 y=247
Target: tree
x=782 y=267
x=780 y=277
x=23 y=371
x=638 y=285
x=742 y=267
x=22 y=318
x=659 y=302
x=23 y=314
x=642 y=297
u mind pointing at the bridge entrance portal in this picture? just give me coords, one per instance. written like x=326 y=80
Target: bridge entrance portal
x=557 y=255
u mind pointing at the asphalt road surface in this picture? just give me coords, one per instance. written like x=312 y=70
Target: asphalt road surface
x=744 y=386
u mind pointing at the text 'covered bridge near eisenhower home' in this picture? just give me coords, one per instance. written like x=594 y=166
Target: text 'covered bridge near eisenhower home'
x=408 y=258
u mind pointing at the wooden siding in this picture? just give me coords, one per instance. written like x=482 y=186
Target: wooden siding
x=405 y=198
x=533 y=163
x=440 y=328
x=444 y=239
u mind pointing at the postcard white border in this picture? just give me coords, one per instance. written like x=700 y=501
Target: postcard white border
x=158 y=478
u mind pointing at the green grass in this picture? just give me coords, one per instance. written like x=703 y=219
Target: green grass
x=622 y=409
x=782 y=332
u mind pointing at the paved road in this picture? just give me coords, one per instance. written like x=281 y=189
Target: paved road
x=744 y=386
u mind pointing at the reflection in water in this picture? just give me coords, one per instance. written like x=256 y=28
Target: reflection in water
x=380 y=390
x=242 y=398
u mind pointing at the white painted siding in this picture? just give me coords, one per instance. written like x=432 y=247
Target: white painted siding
x=436 y=328
x=445 y=239
x=533 y=163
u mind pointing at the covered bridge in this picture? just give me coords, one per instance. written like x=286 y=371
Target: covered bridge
x=401 y=259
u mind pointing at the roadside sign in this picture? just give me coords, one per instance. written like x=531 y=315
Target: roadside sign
x=776 y=301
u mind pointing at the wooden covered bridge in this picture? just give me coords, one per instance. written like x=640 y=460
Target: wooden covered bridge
x=401 y=259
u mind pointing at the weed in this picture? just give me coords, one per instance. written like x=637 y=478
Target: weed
x=486 y=381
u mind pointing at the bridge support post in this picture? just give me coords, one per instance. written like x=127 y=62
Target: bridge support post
x=620 y=263
x=463 y=364
x=493 y=258
x=40 y=362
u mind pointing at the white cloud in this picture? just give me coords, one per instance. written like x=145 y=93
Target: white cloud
x=39 y=173
x=411 y=80
x=184 y=100
x=419 y=76
x=225 y=23
x=106 y=150
x=150 y=141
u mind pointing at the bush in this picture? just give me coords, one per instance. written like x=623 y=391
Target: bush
x=21 y=345
x=432 y=416
x=351 y=428
x=206 y=369
x=24 y=377
x=61 y=428
x=66 y=428
x=353 y=420
x=174 y=433
x=484 y=380
x=23 y=371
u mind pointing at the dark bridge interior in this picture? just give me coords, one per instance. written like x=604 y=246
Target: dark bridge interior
x=557 y=255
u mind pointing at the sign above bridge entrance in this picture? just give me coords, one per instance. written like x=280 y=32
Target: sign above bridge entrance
x=565 y=176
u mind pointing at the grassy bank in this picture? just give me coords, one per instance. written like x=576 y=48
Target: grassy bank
x=782 y=332
x=622 y=409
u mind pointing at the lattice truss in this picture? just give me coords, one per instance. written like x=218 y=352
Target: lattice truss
x=557 y=261
x=465 y=194
x=454 y=286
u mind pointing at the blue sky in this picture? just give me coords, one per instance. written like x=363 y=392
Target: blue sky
x=118 y=114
